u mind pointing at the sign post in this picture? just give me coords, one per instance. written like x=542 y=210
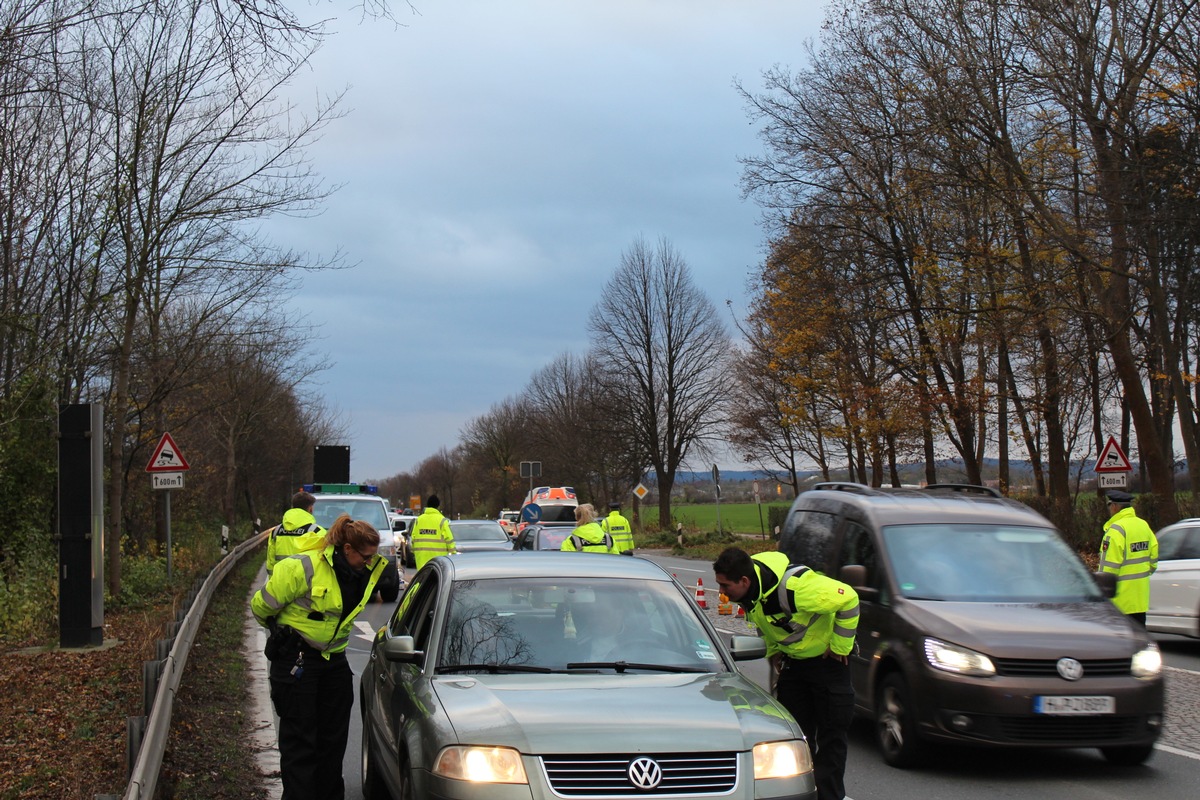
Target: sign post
x=166 y=468
x=758 y=502
x=717 y=483
x=531 y=470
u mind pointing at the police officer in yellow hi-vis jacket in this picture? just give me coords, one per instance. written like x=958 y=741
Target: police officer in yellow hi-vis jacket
x=587 y=536
x=619 y=529
x=298 y=531
x=310 y=603
x=1129 y=551
x=810 y=620
x=431 y=534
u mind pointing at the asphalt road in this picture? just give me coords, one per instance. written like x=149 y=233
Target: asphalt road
x=1173 y=773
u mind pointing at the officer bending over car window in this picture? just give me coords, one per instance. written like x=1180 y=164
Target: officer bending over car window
x=811 y=625
x=310 y=603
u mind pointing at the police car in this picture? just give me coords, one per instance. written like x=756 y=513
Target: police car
x=362 y=501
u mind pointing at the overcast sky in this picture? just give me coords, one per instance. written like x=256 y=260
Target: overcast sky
x=497 y=159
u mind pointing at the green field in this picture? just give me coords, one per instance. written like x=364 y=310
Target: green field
x=735 y=517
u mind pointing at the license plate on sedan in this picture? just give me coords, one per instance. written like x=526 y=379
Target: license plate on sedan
x=1074 y=704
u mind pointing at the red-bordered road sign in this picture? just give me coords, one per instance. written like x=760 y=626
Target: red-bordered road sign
x=1112 y=458
x=167 y=457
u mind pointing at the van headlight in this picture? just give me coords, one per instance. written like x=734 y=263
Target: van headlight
x=960 y=660
x=480 y=764
x=1147 y=662
x=781 y=759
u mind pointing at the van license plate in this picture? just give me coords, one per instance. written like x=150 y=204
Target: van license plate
x=1074 y=704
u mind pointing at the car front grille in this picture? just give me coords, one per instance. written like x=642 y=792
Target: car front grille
x=608 y=775
x=1092 y=668
x=1065 y=730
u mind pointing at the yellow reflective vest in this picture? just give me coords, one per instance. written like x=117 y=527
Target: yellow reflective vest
x=431 y=537
x=800 y=612
x=303 y=593
x=299 y=531
x=621 y=531
x=1129 y=551
x=589 y=538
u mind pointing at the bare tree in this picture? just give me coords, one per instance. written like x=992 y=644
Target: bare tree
x=664 y=352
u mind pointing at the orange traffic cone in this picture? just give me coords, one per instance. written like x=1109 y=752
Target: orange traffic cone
x=700 y=601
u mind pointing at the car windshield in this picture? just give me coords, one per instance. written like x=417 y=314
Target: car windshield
x=557 y=513
x=986 y=563
x=579 y=625
x=478 y=532
x=368 y=509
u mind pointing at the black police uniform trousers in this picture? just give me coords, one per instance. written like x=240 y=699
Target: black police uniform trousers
x=818 y=693
x=314 y=724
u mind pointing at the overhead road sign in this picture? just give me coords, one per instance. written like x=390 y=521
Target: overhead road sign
x=167 y=457
x=1112 y=458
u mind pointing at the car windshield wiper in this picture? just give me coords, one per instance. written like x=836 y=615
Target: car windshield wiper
x=493 y=668
x=621 y=666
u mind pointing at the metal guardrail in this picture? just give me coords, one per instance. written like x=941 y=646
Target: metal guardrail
x=146 y=736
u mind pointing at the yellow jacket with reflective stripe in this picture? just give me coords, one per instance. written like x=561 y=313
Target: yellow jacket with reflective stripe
x=824 y=611
x=299 y=531
x=1129 y=551
x=305 y=586
x=431 y=537
x=589 y=538
x=620 y=530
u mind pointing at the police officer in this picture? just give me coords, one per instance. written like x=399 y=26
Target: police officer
x=298 y=531
x=810 y=621
x=310 y=603
x=431 y=534
x=619 y=528
x=1129 y=550
x=587 y=536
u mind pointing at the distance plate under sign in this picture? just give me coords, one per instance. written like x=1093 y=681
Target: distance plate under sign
x=166 y=480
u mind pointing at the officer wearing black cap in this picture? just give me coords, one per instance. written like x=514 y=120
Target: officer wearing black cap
x=619 y=529
x=1129 y=551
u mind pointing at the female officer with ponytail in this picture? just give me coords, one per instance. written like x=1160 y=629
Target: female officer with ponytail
x=310 y=602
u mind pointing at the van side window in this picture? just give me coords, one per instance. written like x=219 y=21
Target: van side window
x=808 y=539
x=857 y=548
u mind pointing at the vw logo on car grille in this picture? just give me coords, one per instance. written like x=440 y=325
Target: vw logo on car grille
x=645 y=773
x=1070 y=669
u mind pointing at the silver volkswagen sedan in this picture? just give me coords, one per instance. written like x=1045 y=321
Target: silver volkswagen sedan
x=565 y=675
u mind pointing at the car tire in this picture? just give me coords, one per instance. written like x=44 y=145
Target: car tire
x=389 y=584
x=896 y=724
x=373 y=787
x=1127 y=756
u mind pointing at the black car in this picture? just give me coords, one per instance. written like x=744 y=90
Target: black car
x=543 y=535
x=979 y=624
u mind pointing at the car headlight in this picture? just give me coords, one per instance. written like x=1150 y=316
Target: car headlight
x=480 y=764
x=957 y=659
x=781 y=759
x=1147 y=662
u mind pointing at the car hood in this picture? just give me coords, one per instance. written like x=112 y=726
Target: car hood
x=564 y=714
x=1030 y=630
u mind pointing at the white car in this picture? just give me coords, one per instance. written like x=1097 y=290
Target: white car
x=1175 y=585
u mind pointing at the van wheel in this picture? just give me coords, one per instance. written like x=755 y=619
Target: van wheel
x=896 y=724
x=1130 y=756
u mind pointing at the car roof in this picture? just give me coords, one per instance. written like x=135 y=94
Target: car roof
x=901 y=506
x=549 y=564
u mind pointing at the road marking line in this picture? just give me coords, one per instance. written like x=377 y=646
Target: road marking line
x=1181 y=669
x=1178 y=752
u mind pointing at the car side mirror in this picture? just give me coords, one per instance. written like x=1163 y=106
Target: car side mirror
x=1107 y=582
x=855 y=576
x=399 y=526
x=403 y=650
x=747 y=648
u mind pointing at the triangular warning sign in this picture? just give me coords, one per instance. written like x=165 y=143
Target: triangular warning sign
x=1112 y=458
x=167 y=457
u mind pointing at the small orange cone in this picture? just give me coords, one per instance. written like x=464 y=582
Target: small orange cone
x=700 y=601
x=724 y=607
